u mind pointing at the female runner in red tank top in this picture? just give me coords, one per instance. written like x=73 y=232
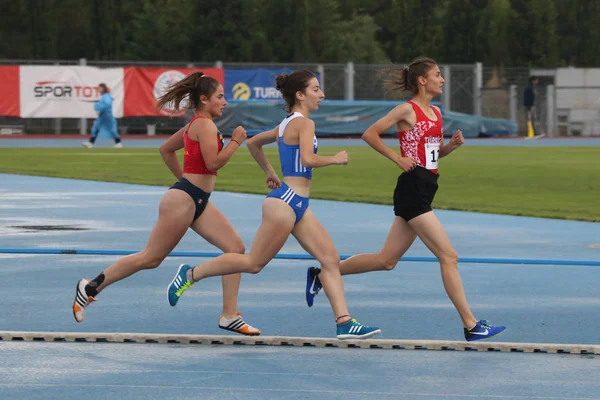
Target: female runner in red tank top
x=187 y=204
x=419 y=126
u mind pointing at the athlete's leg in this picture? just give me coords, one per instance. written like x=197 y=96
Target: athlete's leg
x=216 y=229
x=277 y=222
x=175 y=215
x=316 y=241
x=430 y=231
x=400 y=237
x=213 y=226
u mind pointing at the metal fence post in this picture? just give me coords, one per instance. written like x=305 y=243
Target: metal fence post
x=349 y=81
x=321 y=71
x=477 y=84
x=513 y=100
x=446 y=94
x=550 y=111
x=218 y=64
x=82 y=121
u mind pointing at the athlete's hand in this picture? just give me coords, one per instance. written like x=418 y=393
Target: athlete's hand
x=406 y=164
x=341 y=158
x=273 y=181
x=239 y=135
x=457 y=139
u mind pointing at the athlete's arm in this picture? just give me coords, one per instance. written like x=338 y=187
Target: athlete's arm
x=455 y=141
x=373 y=135
x=168 y=149
x=308 y=158
x=205 y=132
x=255 y=146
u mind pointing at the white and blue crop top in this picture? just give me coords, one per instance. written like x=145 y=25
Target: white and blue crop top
x=289 y=154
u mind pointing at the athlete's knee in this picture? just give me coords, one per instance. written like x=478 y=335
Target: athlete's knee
x=237 y=247
x=240 y=248
x=151 y=260
x=330 y=261
x=254 y=265
x=387 y=262
x=449 y=258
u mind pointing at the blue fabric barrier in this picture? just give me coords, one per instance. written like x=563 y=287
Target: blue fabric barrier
x=339 y=117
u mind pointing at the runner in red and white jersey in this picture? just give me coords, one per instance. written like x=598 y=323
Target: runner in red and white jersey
x=419 y=127
x=423 y=141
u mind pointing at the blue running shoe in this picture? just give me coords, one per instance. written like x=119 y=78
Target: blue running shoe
x=482 y=330
x=355 y=330
x=313 y=284
x=179 y=284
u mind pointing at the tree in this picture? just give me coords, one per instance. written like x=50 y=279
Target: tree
x=410 y=28
x=578 y=28
x=534 y=40
x=161 y=31
x=495 y=27
x=545 y=39
x=462 y=41
x=228 y=31
x=335 y=37
x=354 y=40
x=16 y=41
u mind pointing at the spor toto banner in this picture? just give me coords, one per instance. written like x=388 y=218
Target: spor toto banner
x=143 y=86
x=71 y=91
x=67 y=91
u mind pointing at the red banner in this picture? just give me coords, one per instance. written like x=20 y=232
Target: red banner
x=143 y=86
x=10 y=99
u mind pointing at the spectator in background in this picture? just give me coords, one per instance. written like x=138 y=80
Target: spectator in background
x=105 y=122
x=529 y=101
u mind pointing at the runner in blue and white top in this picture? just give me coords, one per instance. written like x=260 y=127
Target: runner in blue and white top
x=289 y=154
x=286 y=210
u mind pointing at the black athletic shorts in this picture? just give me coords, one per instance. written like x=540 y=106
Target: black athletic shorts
x=199 y=196
x=414 y=193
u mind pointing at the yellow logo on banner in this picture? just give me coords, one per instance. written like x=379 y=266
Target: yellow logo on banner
x=241 y=91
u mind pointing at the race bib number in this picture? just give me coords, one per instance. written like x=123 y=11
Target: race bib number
x=432 y=154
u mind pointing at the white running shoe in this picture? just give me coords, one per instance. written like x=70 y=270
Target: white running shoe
x=238 y=325
x=82 y=300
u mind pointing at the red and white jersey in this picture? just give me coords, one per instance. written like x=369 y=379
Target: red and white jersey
x=424 y=140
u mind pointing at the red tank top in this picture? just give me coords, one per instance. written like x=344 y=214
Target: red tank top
x=423 y=141
x=193 y=162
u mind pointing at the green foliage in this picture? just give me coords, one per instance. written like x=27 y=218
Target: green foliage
x=460 y=41
x=498 y=32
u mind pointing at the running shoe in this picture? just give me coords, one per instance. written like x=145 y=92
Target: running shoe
x=482 y=330
x=179 y=284
x=355 y=330
x=313 y=284
x=238 y=325
x=82 y=300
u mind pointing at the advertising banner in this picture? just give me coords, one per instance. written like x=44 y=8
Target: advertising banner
x=9 y=91
x=143 y=86
x=67 y=91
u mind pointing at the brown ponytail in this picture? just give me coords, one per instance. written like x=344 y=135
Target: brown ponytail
x=406 y=78
x=192 y=86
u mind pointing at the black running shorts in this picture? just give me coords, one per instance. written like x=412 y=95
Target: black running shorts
x=414 y=193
